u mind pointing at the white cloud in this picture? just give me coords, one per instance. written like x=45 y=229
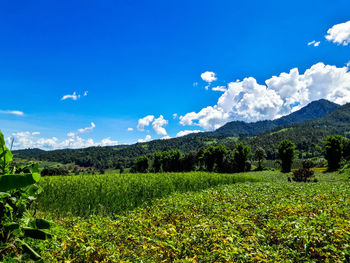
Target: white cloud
x=187 y=132
x=174 y=115
x=208 y=76
x=86 y=93
x=87 y=129
x=147 y=139
x=130 y=129
x=158 y=124
x=165 y=137
x=107 y=142
x=247 y=100
x=35 y=133
x=23 y=140
x=219 y=88
x=12 y=112
x=74 y=96
x=314 y=43
x=339 y=34
x=144 y=122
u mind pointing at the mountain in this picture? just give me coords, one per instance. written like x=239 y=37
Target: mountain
x=307 y=136
x=306 y=133
x=313 y=110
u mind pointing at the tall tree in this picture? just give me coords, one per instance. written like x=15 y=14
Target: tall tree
x=241 y=155
x=333 y=151
x=286 y=152
x=260 y=156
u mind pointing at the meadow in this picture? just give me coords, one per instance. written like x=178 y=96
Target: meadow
x=261 y=217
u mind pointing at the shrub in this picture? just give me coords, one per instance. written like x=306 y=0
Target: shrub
x=303 y=175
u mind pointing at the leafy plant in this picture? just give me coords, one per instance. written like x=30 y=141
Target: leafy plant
x=18 y=191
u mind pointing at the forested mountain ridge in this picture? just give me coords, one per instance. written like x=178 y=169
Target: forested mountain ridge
x=306 y=135
x=313 y=110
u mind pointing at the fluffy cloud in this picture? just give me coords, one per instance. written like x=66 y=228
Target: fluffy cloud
x=74 y=96
x=86 y=93
x=208 y=76
x=130 y=129
x=219 y=88
x=165 y=137
x=87 y=129
x=314 y=43
x=146 y=139
x=247 y=100
x=12 y=112
x=187 y=132
x=142 y=123
x=23 y=140
x=158 y=124
x=339 y=34
x=174 y=115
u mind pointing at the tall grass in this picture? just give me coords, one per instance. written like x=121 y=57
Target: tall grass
x=109 y=194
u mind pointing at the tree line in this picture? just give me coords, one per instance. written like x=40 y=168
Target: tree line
x=222 y=159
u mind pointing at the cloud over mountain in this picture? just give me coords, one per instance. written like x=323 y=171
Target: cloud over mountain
x=249 y=101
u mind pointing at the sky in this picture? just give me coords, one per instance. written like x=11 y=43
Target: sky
x=76 y=74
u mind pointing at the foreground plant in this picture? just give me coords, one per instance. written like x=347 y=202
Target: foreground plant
x=18 y=192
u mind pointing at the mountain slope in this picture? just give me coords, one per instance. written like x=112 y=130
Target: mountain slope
x=307 y=135
x=315 y=109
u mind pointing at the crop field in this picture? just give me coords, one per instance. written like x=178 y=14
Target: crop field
x=262 y=220
x=85 y=195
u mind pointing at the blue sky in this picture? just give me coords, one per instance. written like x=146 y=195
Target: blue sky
x=158 y=58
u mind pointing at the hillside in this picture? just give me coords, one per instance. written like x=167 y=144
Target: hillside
x=313 y=110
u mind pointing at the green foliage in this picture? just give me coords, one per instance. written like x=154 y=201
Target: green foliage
x=259 y=156
x=18 y=191
x=247 y=222
x=142 y=164
x=84 y=195
x=213 y=157
x=333 y=151
x=286 y=152
x=346 y=149
x=241 y=155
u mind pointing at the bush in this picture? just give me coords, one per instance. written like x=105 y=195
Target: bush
x=303 y=175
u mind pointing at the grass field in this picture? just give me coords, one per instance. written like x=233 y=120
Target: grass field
x=262 y=220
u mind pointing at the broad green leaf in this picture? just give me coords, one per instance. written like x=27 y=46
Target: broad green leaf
x=14 y=181
x=35 y=233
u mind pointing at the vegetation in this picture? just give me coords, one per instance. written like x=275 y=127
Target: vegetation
x=333 y=152
x=260 y=156
x=286 y=152
x=84 y=195
x=18 y=191
x=268 y=221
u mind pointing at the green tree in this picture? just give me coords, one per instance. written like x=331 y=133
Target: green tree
x=241 y=155
x=333 y=151
x=142 y=164
x=213 y=157
x=259 y=156
x=157 y=161
x=171 y=161
x=286 y=152
x=346 y=149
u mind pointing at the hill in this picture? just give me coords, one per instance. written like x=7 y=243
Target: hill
x=313 y=110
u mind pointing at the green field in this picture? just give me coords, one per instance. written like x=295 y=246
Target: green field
x=109 y=194
x=266 y=219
